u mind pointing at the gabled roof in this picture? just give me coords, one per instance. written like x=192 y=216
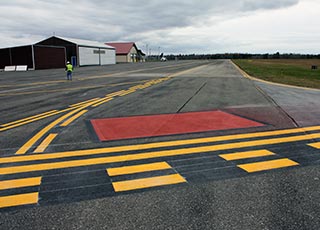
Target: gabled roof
x=82 y=42
x=141 y=53
x=122 y=47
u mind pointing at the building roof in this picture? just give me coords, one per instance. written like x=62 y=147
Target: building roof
x=122 y=47
x=88 y=43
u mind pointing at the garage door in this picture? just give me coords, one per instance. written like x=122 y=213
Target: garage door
x=88 y=56
x=107 y=56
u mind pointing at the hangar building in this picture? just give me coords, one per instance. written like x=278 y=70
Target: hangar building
x=33 y=56
x=127 y=52
x=83 y=52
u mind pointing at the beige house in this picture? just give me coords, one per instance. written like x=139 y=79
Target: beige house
x=127 y=52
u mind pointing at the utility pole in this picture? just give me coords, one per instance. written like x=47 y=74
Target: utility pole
x=147 y=48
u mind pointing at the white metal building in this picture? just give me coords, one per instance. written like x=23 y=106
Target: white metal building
x=83 y=52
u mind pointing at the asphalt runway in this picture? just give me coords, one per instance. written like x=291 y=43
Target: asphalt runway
x=170 y=145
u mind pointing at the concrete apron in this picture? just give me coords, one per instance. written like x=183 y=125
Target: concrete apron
x=302 y=105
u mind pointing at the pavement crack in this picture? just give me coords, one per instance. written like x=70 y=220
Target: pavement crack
x=203 y=85
x=277 y=105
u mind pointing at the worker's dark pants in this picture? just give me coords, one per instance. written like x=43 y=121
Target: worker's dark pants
x=69 y=75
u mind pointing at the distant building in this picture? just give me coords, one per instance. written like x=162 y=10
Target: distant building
x=127 y=52
x=83 y=52
x=33 y=57
x=55 y=51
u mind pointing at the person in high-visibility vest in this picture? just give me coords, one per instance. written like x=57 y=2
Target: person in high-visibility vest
x=69 y=69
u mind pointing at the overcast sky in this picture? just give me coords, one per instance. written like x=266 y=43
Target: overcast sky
x=171 y=26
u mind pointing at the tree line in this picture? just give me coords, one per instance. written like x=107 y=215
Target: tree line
x=236 y=56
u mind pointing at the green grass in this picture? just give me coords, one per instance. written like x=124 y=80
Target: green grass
x=291 y=72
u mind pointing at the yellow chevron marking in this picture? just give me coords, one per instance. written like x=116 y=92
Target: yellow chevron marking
x=148 y=182
x=18 y=200
x=268 y=165
x=19 y=183
x=244 y=155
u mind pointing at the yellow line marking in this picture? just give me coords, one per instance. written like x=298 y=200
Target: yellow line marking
x=143 y=87
x=147 y=182
x=45 y=143
x=99 y=86
x=28 y=118
x=268 y=165
x=95 y=102
x=315 y=145
x=84 y=102
x=42 y=132
x=36 y=119
x=68 y=89
x=139 y=156
x=51 y=91
x=102 y=102
x=245 y=155
x=36 y=83
x=149 y=146
x=127 y=92
x=115 y=93
x=71 y=119
x=19 y=183
x=134 y=87
x=133 y=71
x=18 y=200
x=137 y=169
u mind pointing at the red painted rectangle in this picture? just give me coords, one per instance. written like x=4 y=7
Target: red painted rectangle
x=168 y=124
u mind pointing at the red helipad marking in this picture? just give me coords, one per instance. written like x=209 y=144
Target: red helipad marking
x=168 y=124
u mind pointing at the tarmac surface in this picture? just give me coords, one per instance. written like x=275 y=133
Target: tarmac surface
x=170 y=145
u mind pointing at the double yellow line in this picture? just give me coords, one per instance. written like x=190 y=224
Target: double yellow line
x=28 y=120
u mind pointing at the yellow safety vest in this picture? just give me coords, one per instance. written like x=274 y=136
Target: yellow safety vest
x=69 y=67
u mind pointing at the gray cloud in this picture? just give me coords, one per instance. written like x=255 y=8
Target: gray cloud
x=118 y=20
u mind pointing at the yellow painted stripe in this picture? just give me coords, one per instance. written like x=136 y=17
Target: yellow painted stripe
x=29 y=121
x=35 y=119
x=42 y=132
x=134 y=87
x=28 y=84
x=71 y=119
x=145 y=86
x=147 y=182
x=137 y=169
x=19 y=183
x=115 y=93
x=45 y=143
x=268 y=165
x=28 y=118
x=97 y=101
x=142 y=156
x=18 y=200
x=142 y=86
x=152 y=145
x=84 y=102
x=127 y=92
x=315 y=145
x=245 y=155
x=102 y=102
